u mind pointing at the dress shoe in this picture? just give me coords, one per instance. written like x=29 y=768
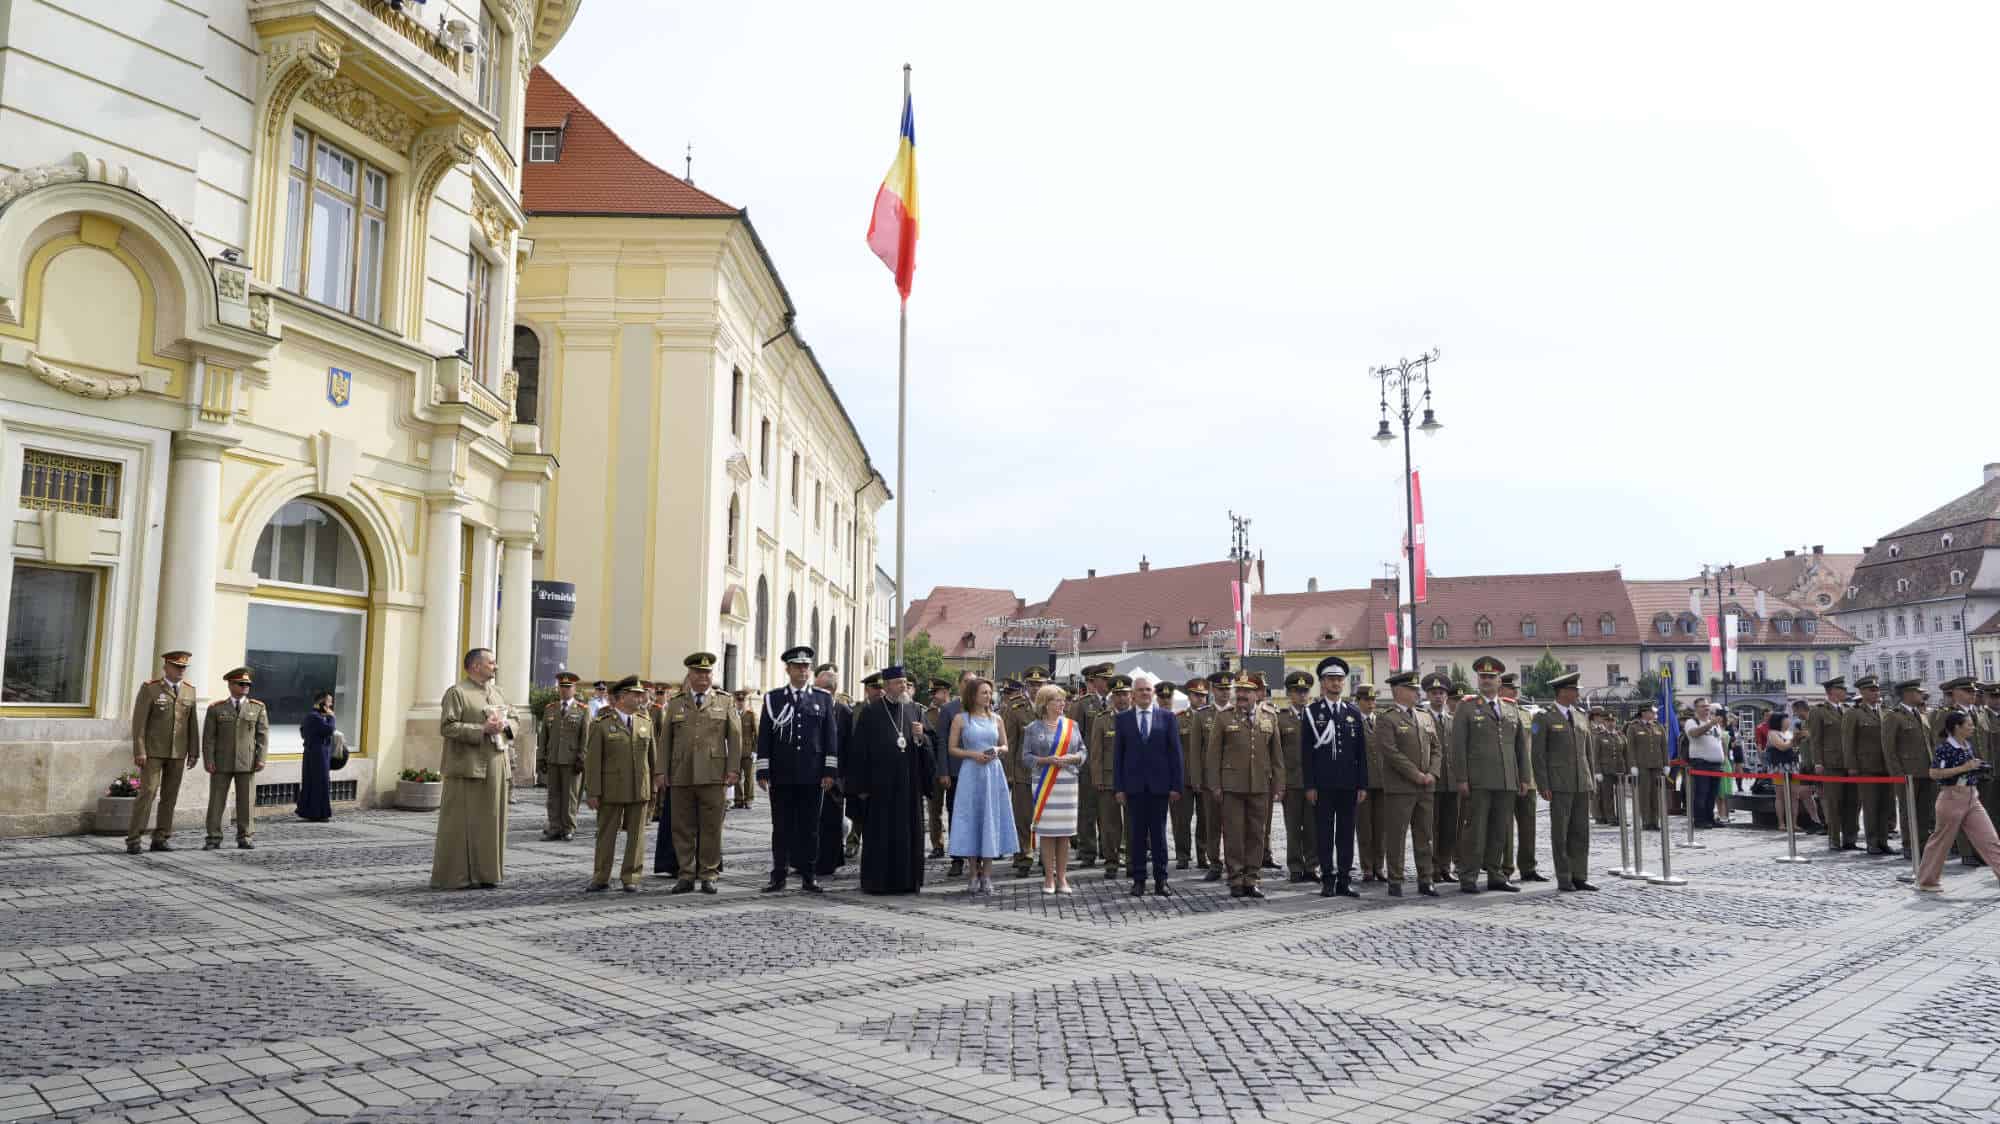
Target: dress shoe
x=132 y=848
x=1424 y=888
x=956 y=870
x=1582 y=885
x=568 y=835
x=1370 y=878
x=1110 y=872
x=1567 y=888
x=245 y=845
x=1346 y=891
x=684 y=886
x=1311 y=876
x=937 y=852
x=1267 y=864
x=708 y=887
x=811 y=887
x=550 y=836
x=1531 y=876
x=1503 y=886
x=1236 y=891
x=1213 y=875
x=1253 y=892
x=1180 y=864
x=1878 y=850
x=1971 y=860
x=1328 y=889
x=1138 y=889
x=162 y=845
x=773 y=886
x=630 y=887
x=1850 y=846
x=1395 y=889
x=597 y=887
x=487 y=886
x=1087 y=861
x=1468 y=887
x=1160 y=888
x=1297 y=876
x=212 y=845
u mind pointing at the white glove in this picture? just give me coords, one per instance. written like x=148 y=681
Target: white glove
x=1635 y=772
x=1600 y=778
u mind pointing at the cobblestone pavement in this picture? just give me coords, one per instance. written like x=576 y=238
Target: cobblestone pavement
x=316 y=978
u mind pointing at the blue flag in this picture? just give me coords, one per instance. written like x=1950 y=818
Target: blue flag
x=1668 y=718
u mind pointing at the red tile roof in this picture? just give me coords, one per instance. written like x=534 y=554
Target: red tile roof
x=596 y=173
x=1304 y=621
x=1505 y=601
x=953 y=611
x=1118 y=607
x=1652 y=599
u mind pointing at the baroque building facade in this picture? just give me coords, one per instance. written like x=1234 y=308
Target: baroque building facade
x=255 y=257
x=674 y=386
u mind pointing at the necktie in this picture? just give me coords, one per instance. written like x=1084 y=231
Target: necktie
x=1146 y=723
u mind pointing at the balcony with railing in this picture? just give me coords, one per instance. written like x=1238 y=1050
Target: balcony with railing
x=1737 y=686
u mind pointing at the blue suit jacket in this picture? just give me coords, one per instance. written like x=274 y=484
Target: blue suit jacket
x=805 y=746
x=1151 y=764
x=1333 y=746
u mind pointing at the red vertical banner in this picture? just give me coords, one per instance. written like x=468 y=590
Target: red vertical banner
x=1419 y=581
x=1714 y=646
x=1395 y=645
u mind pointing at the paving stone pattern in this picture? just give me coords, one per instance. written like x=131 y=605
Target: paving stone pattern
x=318 y=978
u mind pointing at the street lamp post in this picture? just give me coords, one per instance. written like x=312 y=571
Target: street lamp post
x=1401 y=376
x=1724 y=576
x=1239 y=549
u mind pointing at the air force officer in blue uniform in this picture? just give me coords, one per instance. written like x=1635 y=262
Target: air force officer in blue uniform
x=1334 y=752
x=798 y=756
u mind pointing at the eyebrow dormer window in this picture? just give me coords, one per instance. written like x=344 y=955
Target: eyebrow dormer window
x=543 y=145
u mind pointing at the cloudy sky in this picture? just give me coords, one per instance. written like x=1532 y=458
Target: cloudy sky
x=1709 y=280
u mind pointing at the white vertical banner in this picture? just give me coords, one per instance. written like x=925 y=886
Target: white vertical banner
x=1406 y=660
x=1729 y=642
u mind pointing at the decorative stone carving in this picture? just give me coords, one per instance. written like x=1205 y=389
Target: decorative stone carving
x=103 y=387
x=738 y=467
x=231 y=281
x=435 y=152
x=260 y=312
x=356 y=105
x=290 y=62
x=510 y=389
x=73 y=170
x=493 y=223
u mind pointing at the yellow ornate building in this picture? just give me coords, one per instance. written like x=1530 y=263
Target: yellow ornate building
x=254 y=267
x=671 y=381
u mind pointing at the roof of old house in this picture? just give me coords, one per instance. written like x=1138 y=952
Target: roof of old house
x=1653 y=601
x=1917 y=561
x=1333 y=618
x=955 y=617
x=1990 y=628
x=1505 y=601
x=1118 y=608
x=597 y=173
x=1785 y=575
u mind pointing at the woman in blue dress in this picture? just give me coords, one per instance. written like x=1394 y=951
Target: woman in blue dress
x=316 y=769
x=982 y=814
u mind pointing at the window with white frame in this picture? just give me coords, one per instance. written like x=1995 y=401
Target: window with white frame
x=51 y=653
x=1693 y=672
x=307 y=626
x=1573 y=626
x=1923 y=665
x=1757 y=670
x=1783 y=625
x=1986 y=665
x=336 y=227
x=480 y=278
x=1795 y=671
x=1822 y=669
x=544 y=145
x=492 y=61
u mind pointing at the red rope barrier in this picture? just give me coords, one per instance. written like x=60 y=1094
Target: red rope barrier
x=1795 y=776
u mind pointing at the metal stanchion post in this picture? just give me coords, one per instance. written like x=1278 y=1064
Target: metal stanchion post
x=1910 y=836
x=1624 y=847
x=1791 y=820
x=1692 y=843
x=1666 y=875
x=1630 y=806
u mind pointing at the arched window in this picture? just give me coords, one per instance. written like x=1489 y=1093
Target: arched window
x=307 y=626
x=832 y=632
x=1607 y=625
x=528 y=365
x=1664 y=624
x=791 y=620
x=815 y=629
x=1439 y=629
x=763 y=642
x=1528 y=627
x=1573 y=626
x=1483 y=629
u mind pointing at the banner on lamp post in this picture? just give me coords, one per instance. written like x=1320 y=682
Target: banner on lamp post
x=1395 y=647
x=1729 y=625
x=1420 y=577
x=1714 y=645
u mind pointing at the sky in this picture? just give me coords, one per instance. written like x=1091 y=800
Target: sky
x=1704 y=279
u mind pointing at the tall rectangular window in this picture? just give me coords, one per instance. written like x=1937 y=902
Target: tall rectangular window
x=492 y=60
x=336 y=227
x=1986 y=663
x=1757 y=670
x=479 y=275
x=1795 y=670
x=1822 y=669
x=1693 y=672
x=51 y=636
x=1611 y=674
x=736 y=404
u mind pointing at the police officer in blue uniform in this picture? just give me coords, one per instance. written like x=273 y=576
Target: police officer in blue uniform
x=1333 y=751
x=798 y=757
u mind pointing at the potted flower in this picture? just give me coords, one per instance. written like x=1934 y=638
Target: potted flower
x=114 y=808
x=419 y=790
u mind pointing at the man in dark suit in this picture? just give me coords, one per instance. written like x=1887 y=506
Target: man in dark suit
x=798 y=756
x=1334 y=761
x=1148 y=778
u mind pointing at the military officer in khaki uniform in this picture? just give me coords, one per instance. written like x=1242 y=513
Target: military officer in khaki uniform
x=1608 y=757
x=937 y=802
x=1020 y=788
x=1907 y=741
x=1521 y=841
x=1444 y=796
x=622 y=766
x=1084 y=710
x=1301 y=845
x=478 y=730
x=1371 y=814
x=1246 y=769
x=1646 y=762
x=747 y=703
x=1101 y=766
x=235 y=739
x=1208 y=822
x=703 y=748
x=1190 y=840
x=1561 y=744
x=564 y=725
x=1406 y=741
x=166 y=740
x=1825 y=730
x=1489 y=765
x=1868 y=756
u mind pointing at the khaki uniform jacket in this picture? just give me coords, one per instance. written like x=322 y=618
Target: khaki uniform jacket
x=1084 y=710
x=1906 y=739
x=1195 y=721
x=1562 y=751
x=1103 y=747
x=747 y=720
x=1243 y=754
x=1447 y=781
x=163 y=722
x=1861 y=732
x=236 y=741
x=1013 y=719
x=1291 y=737
x=1376 y=769
x=619 y=765
x=560 y=734
x=469 y=751
x=1827 y=734
x=702 y=744
x=1645 y=745
x=1981 y=731
x=1489 y=753
x=1608 y=752
x=1407 y=745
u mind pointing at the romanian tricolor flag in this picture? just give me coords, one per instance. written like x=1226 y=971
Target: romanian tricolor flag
x=892 y=230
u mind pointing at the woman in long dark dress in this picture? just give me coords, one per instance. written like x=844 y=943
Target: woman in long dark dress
x=316 y=769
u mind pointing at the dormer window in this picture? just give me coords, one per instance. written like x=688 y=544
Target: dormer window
x=1946 y=540
x=1895 y=550
x=1902 y=585
x=1573 y=627
x=1958 y=577
x=1148 y=630
x=1688 y=624
x=1663 y=624
x=1528 y=627
x=1439 y=630
x=544 y=145
x=1483 y=629
x=1783 y=625
x=1607 y=625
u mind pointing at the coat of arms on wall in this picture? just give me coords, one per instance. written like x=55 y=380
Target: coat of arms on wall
x=339 y=386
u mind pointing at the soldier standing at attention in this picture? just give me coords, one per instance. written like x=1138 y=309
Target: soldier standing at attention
x=1603 y=796
x=621 y=760
x=472 y=815
x=746 y=713
x=1301 y=848
x=1444 y=836
x=1490 y=754
x=1372 y=812
x=1826 y=731
x=1561 y=744
x=1907 y=742
x=1861 y=732
x=798 y=756
x=1245 y=767
x=1608 y=757
x=1101 y=766
x=1646 y=761
x=165 y=741
x=703 y=747
x=1185 y=813
x=1084 y=711
x=564 y=725
x=235 y=737
x=665 y=861
x=1334 y=766
x=1016 y=716
x=938 y=798
x=1406 y=744
x=1521 y=841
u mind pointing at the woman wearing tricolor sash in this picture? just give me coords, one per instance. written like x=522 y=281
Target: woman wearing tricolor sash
x=1053 y=751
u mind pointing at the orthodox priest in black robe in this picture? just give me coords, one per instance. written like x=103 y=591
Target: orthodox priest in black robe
x=893 y=770
x=833 y=829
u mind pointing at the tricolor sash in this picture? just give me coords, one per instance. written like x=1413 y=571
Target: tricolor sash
x=1065 y=740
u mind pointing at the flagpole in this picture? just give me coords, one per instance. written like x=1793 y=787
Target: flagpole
x=902 y=431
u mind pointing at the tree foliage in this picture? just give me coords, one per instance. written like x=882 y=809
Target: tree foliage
x=923 y=660
x=1535 y=681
